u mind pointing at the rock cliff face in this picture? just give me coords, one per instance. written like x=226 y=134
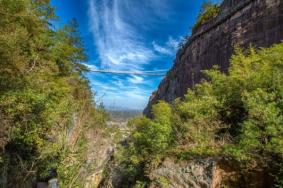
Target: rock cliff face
x=243 y=22
x=208 y=173
x=100 y=150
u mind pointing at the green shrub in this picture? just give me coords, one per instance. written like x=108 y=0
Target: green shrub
x=152 y=137
x=245 y=104
x=279 y=177
x=149 y=140
x=42 y=91
x=140 y=184
x=208 y=11
x=237 y=115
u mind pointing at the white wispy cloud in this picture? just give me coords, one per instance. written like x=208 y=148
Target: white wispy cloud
x=136 y=79
x=173 y=43
x=118 y=43
x=117 y=27
x=90 y=66
x=122 y=94
x=169 y=48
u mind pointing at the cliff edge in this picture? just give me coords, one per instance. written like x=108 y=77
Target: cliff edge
x=243 y=22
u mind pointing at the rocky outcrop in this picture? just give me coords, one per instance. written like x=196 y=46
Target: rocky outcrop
x=115 y=176
x=208 y=173
x=100 y=150
x=244 y=22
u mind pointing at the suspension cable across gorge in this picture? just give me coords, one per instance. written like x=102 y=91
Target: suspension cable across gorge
x=144 y=73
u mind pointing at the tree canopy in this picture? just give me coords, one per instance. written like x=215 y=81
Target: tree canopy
x=43 y=95
x=237 y=115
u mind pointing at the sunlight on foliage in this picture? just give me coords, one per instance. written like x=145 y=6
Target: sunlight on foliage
x=208 y=12
x=43 y=96
x=237 y=115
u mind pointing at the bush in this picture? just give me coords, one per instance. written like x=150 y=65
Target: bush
x=152 y=137
x=208 y=11
x=237 y=115
x=43 y=92
x=245 y=105
x=149 y=140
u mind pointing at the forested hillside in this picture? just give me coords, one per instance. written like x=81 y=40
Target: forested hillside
x=226 y=131
x=46 y=105
x=234 y=118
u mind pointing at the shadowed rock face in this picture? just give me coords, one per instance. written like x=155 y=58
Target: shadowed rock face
x=243 y=22
x=208 y=173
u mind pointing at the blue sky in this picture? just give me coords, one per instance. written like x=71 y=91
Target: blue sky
x=131 y=35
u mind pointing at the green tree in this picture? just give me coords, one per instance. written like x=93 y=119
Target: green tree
x=43 y=96
x=152 y=137
x=238 y=114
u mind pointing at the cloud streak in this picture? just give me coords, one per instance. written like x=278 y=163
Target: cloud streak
x=122 y=93
x=118 y=28
x=118 y=44
x=136 y=79
x=169 y=48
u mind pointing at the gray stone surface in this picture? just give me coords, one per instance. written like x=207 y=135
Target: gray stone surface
x=208 y=173
x=244 y=22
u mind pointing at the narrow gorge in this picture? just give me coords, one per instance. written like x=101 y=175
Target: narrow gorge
x=73 y=97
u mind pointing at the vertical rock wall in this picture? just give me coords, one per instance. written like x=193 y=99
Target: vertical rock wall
x=244 y=22
x=208 y=173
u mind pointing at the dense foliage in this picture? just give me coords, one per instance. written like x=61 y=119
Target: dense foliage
x=45 y=102
x=237 y=115
x=149 y=139
x=209 y=10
